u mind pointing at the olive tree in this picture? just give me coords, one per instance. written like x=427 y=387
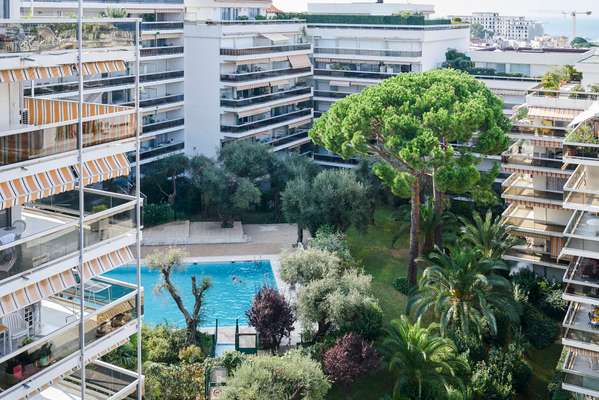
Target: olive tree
x=410 y=123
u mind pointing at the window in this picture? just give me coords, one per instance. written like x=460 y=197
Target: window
x=523 y=69
x=229 y=14
x=5 y=218
x=253 y=12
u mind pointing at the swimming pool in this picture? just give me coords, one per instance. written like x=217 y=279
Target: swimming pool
x=234 y=285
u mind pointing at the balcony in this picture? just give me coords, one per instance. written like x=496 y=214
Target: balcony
x=52 y=229
x=160 y=76
x=161 y=149
x=520 y=187
x=521 y=154
x=266 y=122
x=161 y=26
x=523 y=221
x=365 y=52
x=162 y=125
x=335 y=160
x=55 y=332
x=566 y=98
x=48 y=135
x=119 y=1
x=581 y=372
x=583 y=272
x=581 y=191
x=352 y=74
x=331 y=94
x=252 y=76
x=292 y=140
x=37 y=37
x=583 y=236
x=158 y=101
x=161 y=51
x=265 y=98
x=265 y=50
x=534 y=255
x=60 y=88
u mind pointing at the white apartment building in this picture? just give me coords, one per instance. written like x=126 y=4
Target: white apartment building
x=59 y=230
x=505 y=27
x=357 y=46
x=250 y=78
x=161 y=68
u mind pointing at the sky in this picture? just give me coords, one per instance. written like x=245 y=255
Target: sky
x=538 y=8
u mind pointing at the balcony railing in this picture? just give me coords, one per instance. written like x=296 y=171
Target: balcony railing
x=160 y=76
x=582 y=231
x=51 y=135
x=276 y=142
x=45 y=90
x=581 y=191
x=583 y=271
x=104 y=321
x=158 y=101
x=121 y=1
x=523 y=220
x=161 y=26
x=158 y=126
x=352 y=74
x=252 y=76
x=265 y=98
x=161 y=149
x=331 y=94
x=265 y=49
x=265 y=122
x=331 y=158
x=581 y=372
x=366 y=52
x=161 y=51
x=580 y=153
x=107 y=216
x=35 y=37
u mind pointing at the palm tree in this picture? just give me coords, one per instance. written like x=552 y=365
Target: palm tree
x=424 y=362
x=463 y=289
x=490 y=235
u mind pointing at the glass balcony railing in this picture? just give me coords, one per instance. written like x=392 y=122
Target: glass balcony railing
x=160 y=76
x=33 y=359
x=161 y=149
x=158 y=101
x=35 y=37
x=265 y=49
x=581 y=191
x=522 y=187
x=331 y=94
x=579 y=153
x=266 y=121
x=332 y=158
x=583 y=271
x=265 y=98
x=282 y=141
x=352 y=74
x=52 y=228
x=581 y=371
x=158 y=126
x=121 y=1
x=161 y=26
x=251 y=76
x=523 y=220
x=44 y=90
x=44 y=138
x=161 y=51
x=366 y=52
x=103 y=380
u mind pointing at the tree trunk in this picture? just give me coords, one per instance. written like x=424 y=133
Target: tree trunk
x=438 y=205
x=414 y=231
x=300 y=233
x=323 y=328
x=192 y=331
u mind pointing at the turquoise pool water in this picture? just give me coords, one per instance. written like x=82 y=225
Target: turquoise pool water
x=234 y=285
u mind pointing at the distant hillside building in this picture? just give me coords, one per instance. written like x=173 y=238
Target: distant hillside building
x=506 y=27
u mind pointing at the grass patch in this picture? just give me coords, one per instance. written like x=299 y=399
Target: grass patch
x=543 y=363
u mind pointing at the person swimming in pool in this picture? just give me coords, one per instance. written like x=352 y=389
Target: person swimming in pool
x=236 y=279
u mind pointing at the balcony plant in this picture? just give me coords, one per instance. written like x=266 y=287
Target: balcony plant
x=43 y=355
x=583 y=134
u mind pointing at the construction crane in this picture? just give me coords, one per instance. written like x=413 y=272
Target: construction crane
x=573 y=14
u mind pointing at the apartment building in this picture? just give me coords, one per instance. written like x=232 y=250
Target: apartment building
x=505 y=27
x=250 y=80
x=161 y=68
x=357 y=46
x=60 y=230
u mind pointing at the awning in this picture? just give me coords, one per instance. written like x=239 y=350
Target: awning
x=102 y=67
x=254 y=61
x=282 y=58
x=33 y=187
x=562 y=114
x=300 y=61
x=536 y=172
x=279 y=82
x=107 y=262
x=48 y=111
x=255 y=111
x=253 y=85
x=339 y=83
x=121 y=308
x=60 y=71
x=298 y=124
x=35 y=292
x=587 y=114
x=34 y=73
x=275 y=37
x=104 y=168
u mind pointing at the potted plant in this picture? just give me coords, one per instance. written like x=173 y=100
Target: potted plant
x=43 y=355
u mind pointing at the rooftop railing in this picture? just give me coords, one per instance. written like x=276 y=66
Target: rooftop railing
x=353 y=74
x=367 y=52
x=161 y=26
x=265 y=49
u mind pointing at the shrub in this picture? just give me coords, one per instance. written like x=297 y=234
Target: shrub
x=174 y=382
x=402 y=285
x=469 y=345
x=191 y=354
x=349 y=358
x=272 y=317
x=540 y=330
x=305 y=266
x=327 y=239
x=156 y=214
x=231 y=360
x=366 y=321
x=553 y=305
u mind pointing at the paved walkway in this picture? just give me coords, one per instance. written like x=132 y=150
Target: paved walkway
x=186 y=232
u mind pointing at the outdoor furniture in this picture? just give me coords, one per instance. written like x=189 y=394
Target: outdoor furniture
x=17 y=327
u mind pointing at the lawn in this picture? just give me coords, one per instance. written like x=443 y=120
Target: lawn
x=373 y=249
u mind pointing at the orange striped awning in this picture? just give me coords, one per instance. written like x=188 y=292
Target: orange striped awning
x=34 y=73
x=35 y=292
x=102 y=67
x=33 y=187
x=107 y=262
x=48 y=111
x=563 y=114
x=104 y=168
x=60 y=71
